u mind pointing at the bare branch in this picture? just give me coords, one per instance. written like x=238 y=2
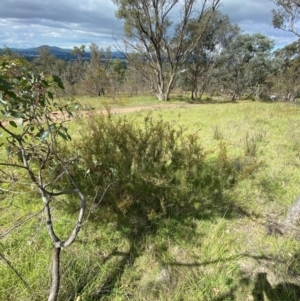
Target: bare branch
x=21 y=223
x=14 y=270
x=96 y=194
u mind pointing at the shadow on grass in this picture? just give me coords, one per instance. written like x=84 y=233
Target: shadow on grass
x=137 y=242
x=127 y=260
x=283 y=291
x=227 y=259
x=212 y=101
x=264 y=291
x=136 y=230
x=262 y=288
x=137 y=234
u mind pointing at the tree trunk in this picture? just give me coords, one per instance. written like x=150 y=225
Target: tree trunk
x=160 y=96
x=192 y=94
x=235 y=96
x=170 y=86
x=55 y=275
x=160 y=89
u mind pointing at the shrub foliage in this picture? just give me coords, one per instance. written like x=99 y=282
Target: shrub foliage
x=153 y=170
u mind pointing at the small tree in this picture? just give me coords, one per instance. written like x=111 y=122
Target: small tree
x=31 y=134
x=96 y=79
x=75 y=69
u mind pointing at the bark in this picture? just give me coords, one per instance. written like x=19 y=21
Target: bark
x=55 y=275
x=235 y=96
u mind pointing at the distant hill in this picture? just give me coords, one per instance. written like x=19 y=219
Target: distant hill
x=60 y=53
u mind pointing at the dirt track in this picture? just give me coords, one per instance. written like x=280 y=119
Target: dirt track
x=137 y=109
x=124 y=110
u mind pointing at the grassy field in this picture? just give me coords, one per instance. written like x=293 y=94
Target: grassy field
x=221 y=253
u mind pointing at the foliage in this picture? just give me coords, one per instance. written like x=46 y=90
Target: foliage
x=246 y=64
x=155 y=170
x=204 y=59
x=48 y=64
x=151 y=38
x=286 y=83
x=27 y=96
x=32 y=133
x=287 y=15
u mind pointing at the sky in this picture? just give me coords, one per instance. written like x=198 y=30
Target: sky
x=69 y=23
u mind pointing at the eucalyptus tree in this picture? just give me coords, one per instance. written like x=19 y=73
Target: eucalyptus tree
x=96 y=79
x=246 y=64
x=287 y=77
x=287 y=15
x=133 y=82
x=48 y=63
x=74 y=72
x=45 y=60
x=201 y=64
x=152 y=31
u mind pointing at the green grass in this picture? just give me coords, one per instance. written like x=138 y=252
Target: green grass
x=220 y=254
x=124 y=100
x=103 y=102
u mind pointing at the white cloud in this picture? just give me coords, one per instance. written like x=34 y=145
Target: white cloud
x=68 y=23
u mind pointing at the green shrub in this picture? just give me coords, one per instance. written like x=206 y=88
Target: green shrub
x=152 y=170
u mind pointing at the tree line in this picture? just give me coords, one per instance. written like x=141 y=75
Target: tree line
x=202 y=54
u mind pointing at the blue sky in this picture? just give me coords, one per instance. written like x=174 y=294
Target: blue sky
x=68 y=23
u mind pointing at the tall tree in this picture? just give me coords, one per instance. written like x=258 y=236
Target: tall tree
x=161 y=43
x=202 y=61
x=48 y=63
x=74 y=72
x=287 y=77
x=45 y=61
x=96 y=78
x=287 y=16
x=246 y=64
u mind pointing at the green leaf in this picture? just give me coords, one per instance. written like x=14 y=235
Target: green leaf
x=62 y=135
x=58 y=81
x=44 y=135
x=1 y=134
x=12 y=123
x=45 y=83
x=11 y=94
x=14 y=114
x=50 y=95
x=4 y=85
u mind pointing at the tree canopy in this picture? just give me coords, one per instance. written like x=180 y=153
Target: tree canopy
x=160 y=42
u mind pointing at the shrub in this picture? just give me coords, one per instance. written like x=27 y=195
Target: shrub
x=153 y=170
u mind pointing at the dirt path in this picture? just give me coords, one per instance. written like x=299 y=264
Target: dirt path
x=124 y=110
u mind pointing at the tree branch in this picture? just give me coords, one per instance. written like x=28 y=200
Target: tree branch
x=14 y=270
